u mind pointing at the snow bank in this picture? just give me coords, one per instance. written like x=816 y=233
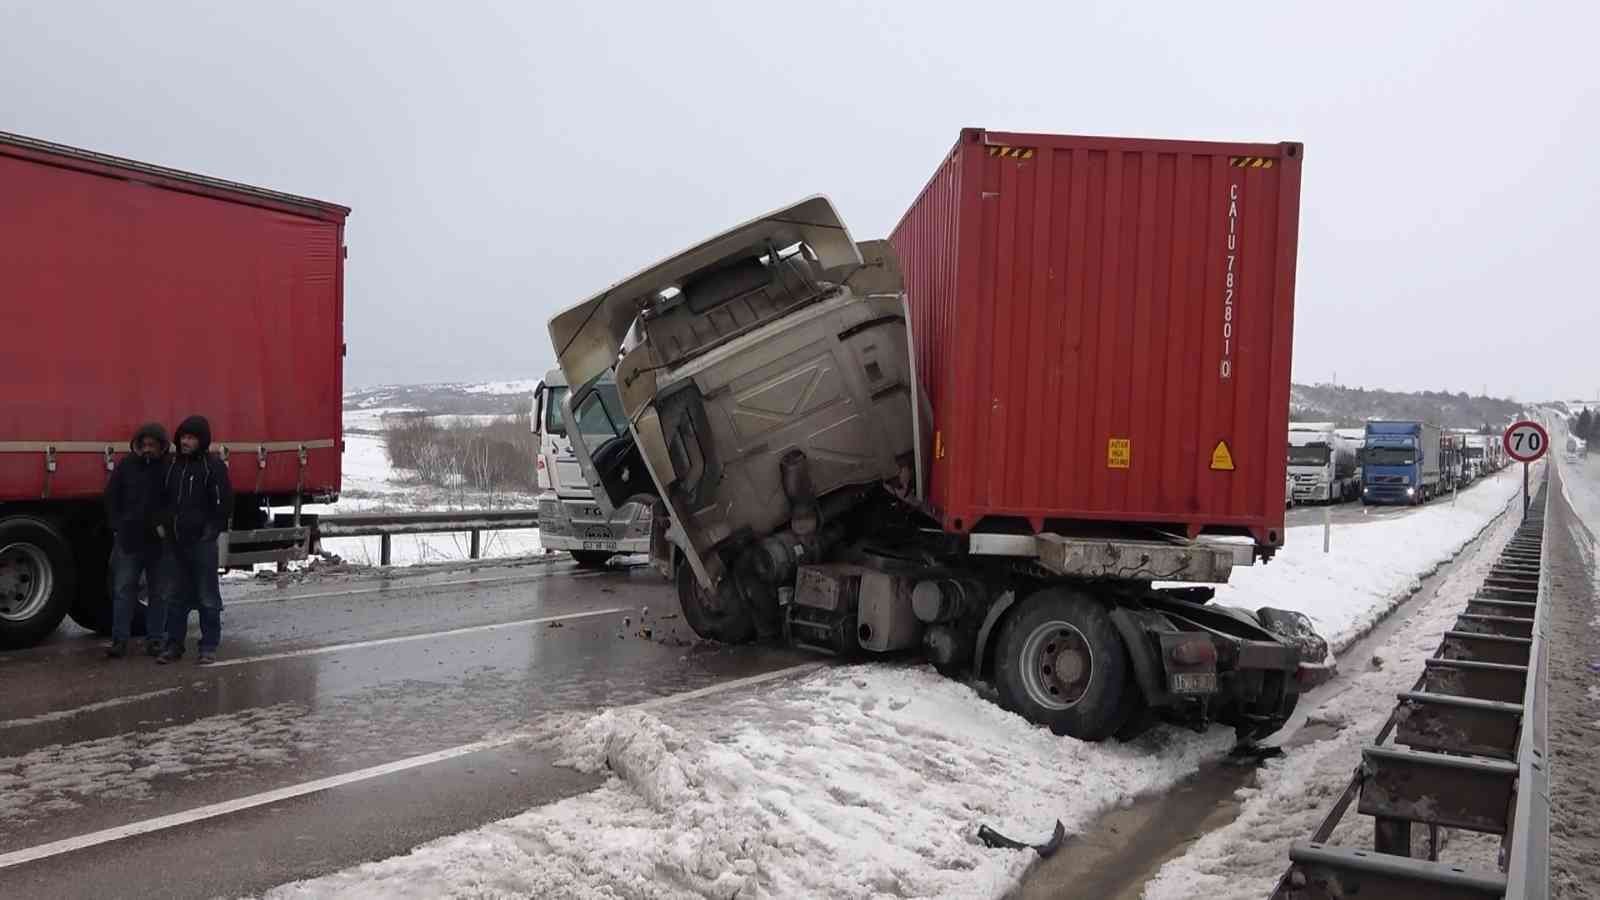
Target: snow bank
x=866 y=781
x=1293 y=793
x=1373 y=567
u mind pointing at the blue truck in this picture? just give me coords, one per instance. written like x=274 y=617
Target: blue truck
x=1401 y=463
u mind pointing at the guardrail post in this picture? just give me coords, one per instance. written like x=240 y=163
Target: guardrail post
x=1392 y=836
x=383 y=549
x=475 y=534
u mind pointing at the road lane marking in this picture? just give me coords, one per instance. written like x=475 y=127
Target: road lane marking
x=308 y=651
x=58 y=715
x=380 y=642
x=227 y=807
x=250 y=600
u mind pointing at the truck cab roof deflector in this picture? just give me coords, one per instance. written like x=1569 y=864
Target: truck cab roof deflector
x=588 y=336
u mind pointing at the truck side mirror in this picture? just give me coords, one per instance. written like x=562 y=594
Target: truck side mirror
x=538 y=408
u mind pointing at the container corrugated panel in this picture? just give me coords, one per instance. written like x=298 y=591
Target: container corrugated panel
x=1103 y=327
x=135 y=293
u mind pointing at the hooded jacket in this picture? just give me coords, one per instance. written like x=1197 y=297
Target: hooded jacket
x=133 y=492
x=198 y=497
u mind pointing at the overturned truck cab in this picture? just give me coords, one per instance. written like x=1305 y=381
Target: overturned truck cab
x=772 y=415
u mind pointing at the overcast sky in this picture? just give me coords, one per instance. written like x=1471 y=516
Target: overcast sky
x=505 y=160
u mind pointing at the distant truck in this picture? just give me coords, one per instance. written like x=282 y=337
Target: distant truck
x=1476 y=452
x=1322 y=463
x=855 y=451
x=569 y=517
x=139 y=293
x=1401 y=463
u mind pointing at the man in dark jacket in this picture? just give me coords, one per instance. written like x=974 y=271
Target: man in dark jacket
x=133 y=507
x=198 y=503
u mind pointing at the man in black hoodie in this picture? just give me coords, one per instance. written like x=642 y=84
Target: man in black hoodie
x=133 y=507
x=198 y=504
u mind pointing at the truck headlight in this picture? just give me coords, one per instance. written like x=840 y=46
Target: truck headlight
x=1411 y=492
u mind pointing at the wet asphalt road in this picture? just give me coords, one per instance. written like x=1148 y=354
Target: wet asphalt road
x=320 y=680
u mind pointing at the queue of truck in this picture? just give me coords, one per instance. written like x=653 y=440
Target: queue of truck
x=1399 y=462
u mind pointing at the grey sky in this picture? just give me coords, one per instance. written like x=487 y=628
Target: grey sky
x=508 y=159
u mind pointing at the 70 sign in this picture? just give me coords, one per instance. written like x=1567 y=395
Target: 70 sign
x=1526 y=441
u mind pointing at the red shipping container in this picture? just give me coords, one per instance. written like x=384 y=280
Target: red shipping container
x=1103 y=326
x=133 y=293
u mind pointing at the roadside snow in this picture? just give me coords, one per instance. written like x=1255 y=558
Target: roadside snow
x=1373 y=567
x=865 y=781
x=1292 y=794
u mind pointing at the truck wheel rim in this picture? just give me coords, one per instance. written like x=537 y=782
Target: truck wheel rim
x=1057 y=665
x=26 y=580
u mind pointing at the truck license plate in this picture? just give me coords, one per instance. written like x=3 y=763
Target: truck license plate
x=600 y=545
x=1193 y=682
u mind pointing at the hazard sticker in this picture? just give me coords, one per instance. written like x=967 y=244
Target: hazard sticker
x=1119 y=453
x=1221 y=458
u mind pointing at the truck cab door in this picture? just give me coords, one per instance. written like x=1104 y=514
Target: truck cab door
x=606 y=450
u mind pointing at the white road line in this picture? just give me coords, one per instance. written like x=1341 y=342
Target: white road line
x=471 y=629
x=471 y=582
x=201 y=813
x=58 y=715
x=309 y=651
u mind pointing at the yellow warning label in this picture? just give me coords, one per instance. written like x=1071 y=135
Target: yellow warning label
x=1250 y=162
x=1119 y=453
x=1221 y=458
x=1012 y=152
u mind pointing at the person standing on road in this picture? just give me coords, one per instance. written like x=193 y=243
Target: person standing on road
x=133 y=507
x=198 y=502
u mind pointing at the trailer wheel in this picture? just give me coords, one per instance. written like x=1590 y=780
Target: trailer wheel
x=716 y=616
x=1061 y=663
x=591 y=559
x=37 y=581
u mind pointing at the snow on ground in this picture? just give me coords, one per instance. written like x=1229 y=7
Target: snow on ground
x=860 y=781
x=370 y=484
x=1373 y=566
x=127 y=766
x=1292 y=794
x=520 y=386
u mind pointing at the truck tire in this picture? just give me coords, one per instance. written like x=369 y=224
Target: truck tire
x=37 y=581
x=591 y=559
x=1061 y=663
x=721 y=617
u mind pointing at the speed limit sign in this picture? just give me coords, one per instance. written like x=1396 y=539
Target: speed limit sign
x=1526 y=441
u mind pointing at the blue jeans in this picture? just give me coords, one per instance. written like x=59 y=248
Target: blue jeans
x=127 y=564
x=195 y=585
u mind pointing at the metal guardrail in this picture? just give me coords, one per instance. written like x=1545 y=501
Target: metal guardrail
x=386 y=525
x=1469 y=752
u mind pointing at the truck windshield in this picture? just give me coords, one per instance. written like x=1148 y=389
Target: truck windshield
x=1308 y=456
x=1474 y=453
x=1391 y=456
x=593 y=420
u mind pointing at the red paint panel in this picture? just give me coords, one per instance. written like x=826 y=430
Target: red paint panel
x=133 y=293
x=1071 y=291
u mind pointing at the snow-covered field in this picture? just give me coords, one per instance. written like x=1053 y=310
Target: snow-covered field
x=871 y=781
x=370 y=484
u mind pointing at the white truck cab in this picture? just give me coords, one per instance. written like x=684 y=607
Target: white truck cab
x=569 y=517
